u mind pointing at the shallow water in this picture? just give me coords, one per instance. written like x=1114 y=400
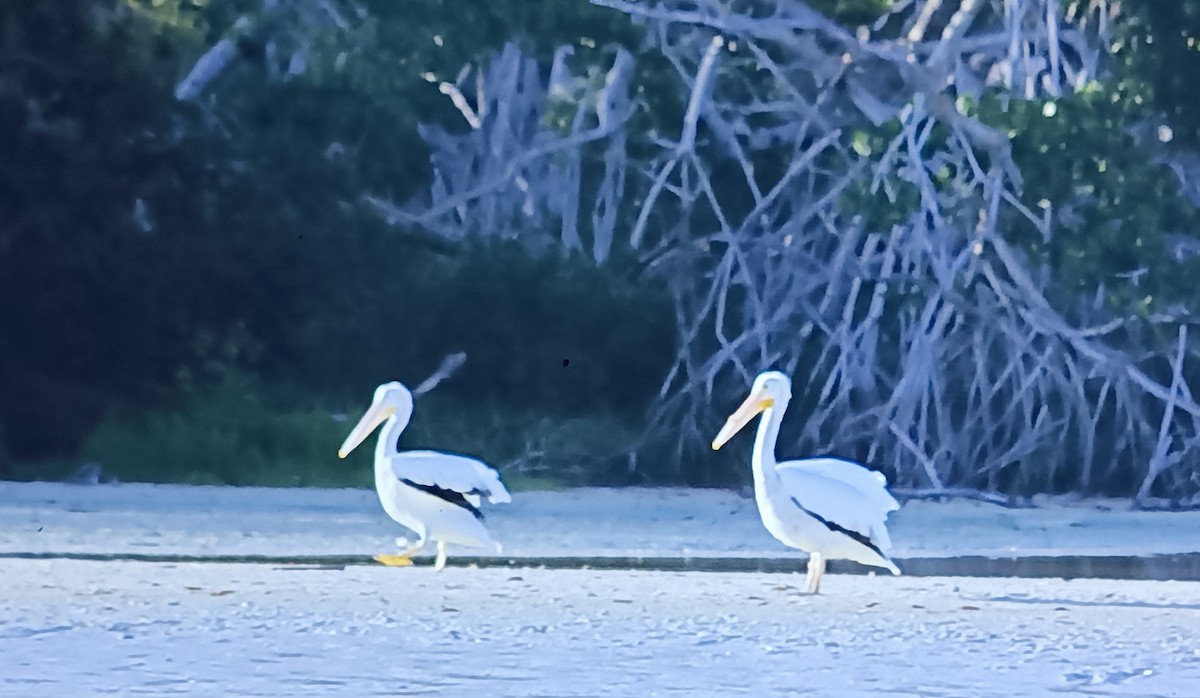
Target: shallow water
x=581 y=524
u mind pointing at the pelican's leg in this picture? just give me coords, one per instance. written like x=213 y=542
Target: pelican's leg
x=441 y=557
x=411 y=549
x=816 y=569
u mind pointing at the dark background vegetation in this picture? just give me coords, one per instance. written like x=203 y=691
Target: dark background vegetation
x=197 y=294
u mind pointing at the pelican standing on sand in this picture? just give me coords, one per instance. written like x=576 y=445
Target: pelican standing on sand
x=436 y=495
x=830 y=507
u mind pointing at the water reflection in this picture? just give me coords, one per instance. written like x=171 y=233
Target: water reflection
x=1177 y=567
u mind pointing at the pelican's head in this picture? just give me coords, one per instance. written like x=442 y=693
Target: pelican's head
x=390 y=399
x=770 y=388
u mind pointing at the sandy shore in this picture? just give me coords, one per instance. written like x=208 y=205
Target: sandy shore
x=120 y=627
x=92 y=628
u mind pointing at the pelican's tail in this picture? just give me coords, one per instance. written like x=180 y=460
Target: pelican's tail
x=493 y=488
x=882 y=543
x=499 y=495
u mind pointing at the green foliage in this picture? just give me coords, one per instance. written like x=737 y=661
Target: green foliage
x=240 y=431
x=1092 y=160
x=853 y=12
x=544 y=330
x=143 y=236
x=527 y=444
x=1080 y=157
x=563 y=358
x=230 y=433
x=86 y=310
x=886 y=206
x=379 y=315
x=514 y=403
x=1157 y=51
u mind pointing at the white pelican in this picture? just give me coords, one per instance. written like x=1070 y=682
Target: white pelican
x=434 y=494
x=830 y=507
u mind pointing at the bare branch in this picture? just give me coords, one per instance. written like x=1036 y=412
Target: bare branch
x=1159 y=461
x=687 y=136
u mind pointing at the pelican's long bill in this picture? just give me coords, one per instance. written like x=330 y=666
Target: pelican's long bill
x=749 y=409
x=375 y=415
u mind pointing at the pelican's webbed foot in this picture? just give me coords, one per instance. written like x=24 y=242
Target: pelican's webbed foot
x=404 y=557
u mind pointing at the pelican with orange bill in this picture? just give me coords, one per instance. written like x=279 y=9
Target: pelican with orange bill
x=829 y=507
x=434 y=494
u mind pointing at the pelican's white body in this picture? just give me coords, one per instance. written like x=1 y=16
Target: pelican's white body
x=435 y=495
x=427 y=515
x=829 y=507
x=841 y=492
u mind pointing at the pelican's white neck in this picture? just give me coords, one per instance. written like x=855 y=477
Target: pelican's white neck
x=763 y=459
x=389 y=438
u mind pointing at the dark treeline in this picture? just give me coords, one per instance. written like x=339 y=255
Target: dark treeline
x=194 y=289
x=156 y=250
